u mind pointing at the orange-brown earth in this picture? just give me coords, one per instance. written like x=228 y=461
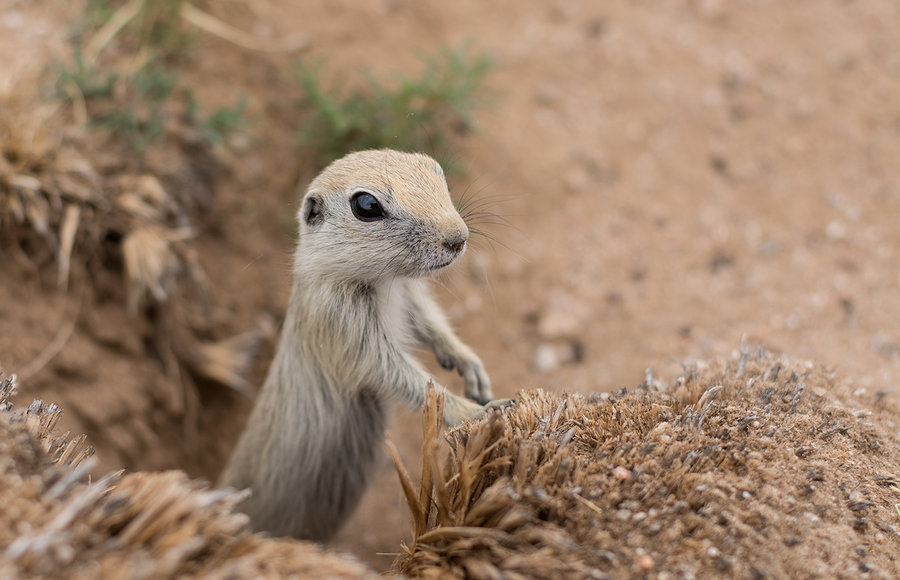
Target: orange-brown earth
x=679 y=176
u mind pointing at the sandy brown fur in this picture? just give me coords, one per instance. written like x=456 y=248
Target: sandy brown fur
x=359 y=299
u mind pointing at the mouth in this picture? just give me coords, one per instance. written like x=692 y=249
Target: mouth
x=443 y=265
x=440 y=265
x=438 y=261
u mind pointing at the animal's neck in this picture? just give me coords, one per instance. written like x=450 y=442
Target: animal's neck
x=326 y=328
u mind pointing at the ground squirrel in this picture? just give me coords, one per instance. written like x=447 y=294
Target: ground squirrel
x=373 y=226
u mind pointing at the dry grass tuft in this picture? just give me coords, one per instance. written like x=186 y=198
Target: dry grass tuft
x=760 y=467
x=44 y=180
x=56 y=523
x=50 y=190
x=58 y=208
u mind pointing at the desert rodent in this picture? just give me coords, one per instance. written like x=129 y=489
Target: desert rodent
x=373 y=226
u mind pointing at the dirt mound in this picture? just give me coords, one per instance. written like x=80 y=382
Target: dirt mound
x=758 y=467
x=761 y=467
x=55 y=523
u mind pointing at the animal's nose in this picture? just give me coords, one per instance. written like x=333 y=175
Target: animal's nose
x=456 y=241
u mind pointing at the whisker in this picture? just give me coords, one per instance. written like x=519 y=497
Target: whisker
x=489 y=218
x=440 y=280
x=468 y=196
x=491 y=240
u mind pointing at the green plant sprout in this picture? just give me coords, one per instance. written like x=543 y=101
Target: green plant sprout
x=411 y=114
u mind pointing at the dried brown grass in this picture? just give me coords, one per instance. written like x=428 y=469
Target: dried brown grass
x=72 y=201
x=759 y=467
x=50 y=189
x=44 y=180
x=56 y=523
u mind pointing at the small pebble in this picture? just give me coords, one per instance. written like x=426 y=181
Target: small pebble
x=645 y=562
x=563 y=316
x=545 y=358
x=621 y=473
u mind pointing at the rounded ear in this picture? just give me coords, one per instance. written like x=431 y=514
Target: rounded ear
x=313 y=212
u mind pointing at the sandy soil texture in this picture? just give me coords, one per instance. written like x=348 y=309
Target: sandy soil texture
x=679 y=176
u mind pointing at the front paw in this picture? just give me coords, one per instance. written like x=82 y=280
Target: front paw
x=471 y=369
x=458 y=410
x=499 y=405
x=478 y=384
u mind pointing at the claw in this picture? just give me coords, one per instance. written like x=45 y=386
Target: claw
x=499 y=404
x=480 y=399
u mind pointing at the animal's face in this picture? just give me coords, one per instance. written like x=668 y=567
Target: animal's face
x=380 y=214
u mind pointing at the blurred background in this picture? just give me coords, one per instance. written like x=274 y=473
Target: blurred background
x=655 y=183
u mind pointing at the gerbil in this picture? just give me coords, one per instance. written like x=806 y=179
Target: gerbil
x=374 y=226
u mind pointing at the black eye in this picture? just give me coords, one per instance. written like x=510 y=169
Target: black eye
x=365 y=207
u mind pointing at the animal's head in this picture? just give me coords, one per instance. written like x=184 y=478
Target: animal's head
x=380 y=214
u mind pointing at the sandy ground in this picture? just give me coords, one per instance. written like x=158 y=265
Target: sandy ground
x=679 y=176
